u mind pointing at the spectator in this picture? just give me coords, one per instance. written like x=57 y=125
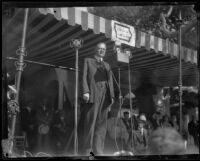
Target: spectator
x=165 y=122
x=156 y=120
x=140 y=138
x=126 y=120
x=174 y=123
x=59 y=130
x=148 y=126
x=193 y=130
x=44 y=115
x=185 y=132
x=135 y=118
x=117 y=134
x=29 y=125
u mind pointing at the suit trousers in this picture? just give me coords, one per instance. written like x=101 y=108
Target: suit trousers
x=95 y=124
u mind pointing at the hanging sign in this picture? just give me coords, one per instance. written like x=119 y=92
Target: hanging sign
x=123 y=33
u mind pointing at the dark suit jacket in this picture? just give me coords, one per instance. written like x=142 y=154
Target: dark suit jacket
x=139 y=139
x=90 y=79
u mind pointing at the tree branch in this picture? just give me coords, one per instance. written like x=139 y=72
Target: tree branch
x=163 y=16
x=170 y=11
x=172 y=34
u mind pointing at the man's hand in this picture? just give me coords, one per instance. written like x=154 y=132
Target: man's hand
x=112 y=101
x=86 y=97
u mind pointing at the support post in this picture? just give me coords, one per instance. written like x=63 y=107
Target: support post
x=120 y=106
x=130 y=99
x=180 y=72
x=20 y=65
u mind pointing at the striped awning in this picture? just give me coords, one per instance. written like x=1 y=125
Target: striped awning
x=50 y=31
x=101 y=25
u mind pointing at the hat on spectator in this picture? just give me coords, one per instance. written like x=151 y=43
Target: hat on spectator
x=143 y=118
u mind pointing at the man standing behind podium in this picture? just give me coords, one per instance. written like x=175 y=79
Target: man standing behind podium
x=98 y=93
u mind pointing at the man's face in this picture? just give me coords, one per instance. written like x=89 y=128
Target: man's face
x=140 y=126
x=101 y=50
x=126 y=116
x=136 y=111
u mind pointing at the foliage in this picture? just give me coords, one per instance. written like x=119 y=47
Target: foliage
x=147 y=19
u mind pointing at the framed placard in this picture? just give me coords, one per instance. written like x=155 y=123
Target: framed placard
x=123 y=33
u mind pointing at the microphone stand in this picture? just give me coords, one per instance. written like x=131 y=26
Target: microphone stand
x=76 y=43
x=120 y=101
x=117 y=49
x=120 y=106
x=131 y=109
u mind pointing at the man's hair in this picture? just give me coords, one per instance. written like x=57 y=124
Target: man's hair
x=99 y=44
x=126 y=112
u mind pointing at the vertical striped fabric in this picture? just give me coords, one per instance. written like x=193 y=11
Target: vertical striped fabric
x=84 y=17
x=184 y=55
x=64 y=13
x=160 y=44
x=151 y=42
x=138 y=39
x=71 y=15
x=176 y=50
x=101 y=25
x=96 y=25
x=165 y=46
x=143 y=35
x=195 y=57
x=78 y=17
x=57 y=13
x=147 y=40
x=155 y=44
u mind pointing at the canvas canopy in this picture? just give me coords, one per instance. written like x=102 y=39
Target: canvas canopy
x=50 y=31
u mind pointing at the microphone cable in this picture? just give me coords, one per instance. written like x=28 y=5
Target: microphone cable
x=116 y=120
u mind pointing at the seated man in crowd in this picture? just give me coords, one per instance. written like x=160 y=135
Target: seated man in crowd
x=140 y=138
x=147 y=124
x=156 y=120
x=126 y=120
x=135 y=117
x=174 y=122
x=165 y=121
x=59 y=131
x=44 y=116
x=29 y=125
x=118 y=132
x=193 y=129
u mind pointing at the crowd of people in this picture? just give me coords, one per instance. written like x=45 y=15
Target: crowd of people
x=48 y=130
x=137 y=135
x=45 y=128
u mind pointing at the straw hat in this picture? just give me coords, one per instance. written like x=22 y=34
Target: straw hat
x=143 y=118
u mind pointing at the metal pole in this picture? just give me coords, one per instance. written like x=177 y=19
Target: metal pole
x=131 y=109
x=76 y=43
x=76 y=107
x=120 y=107
x=180 y=74
x=19 y=65
x=43 y=64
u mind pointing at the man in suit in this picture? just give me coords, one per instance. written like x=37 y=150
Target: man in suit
x=126 y=120
x=98 y=93
x=140 y=138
